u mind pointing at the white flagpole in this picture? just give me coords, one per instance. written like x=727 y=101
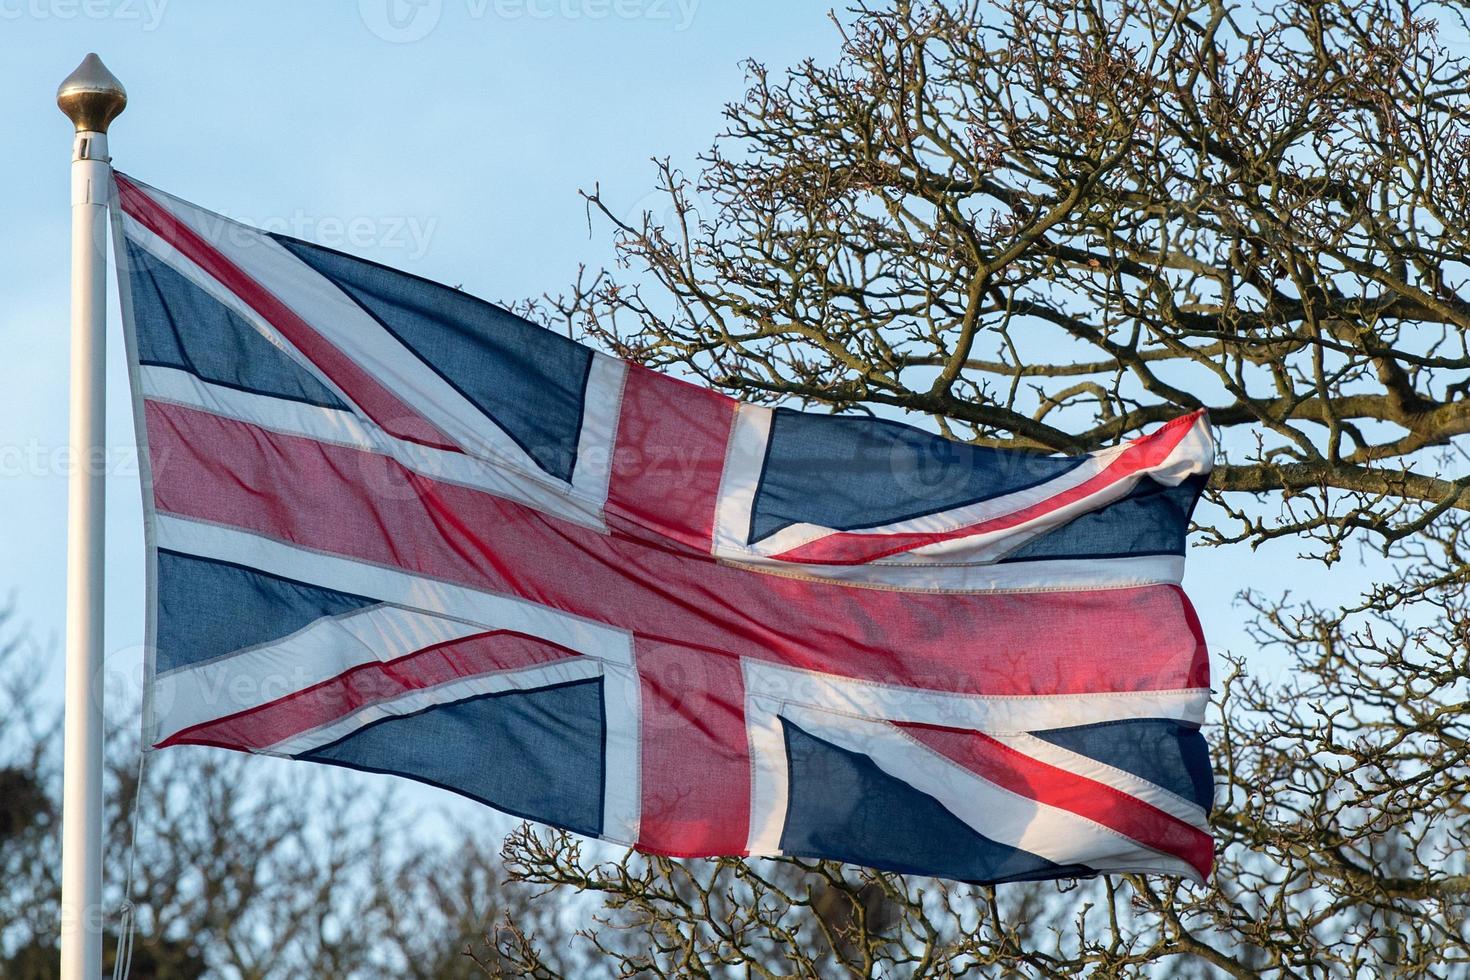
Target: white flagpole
x=91 y=98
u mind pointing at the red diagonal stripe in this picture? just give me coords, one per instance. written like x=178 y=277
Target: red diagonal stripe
x=1103 y=804
x=376 y=402
x=470 y=656
x=855 y=548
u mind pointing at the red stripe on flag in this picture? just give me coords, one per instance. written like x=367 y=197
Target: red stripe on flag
x=366 y=684
x=670 y=458
x=1112 y=808
x=696 y=762
x=377 y=402
x=855 y=548
x=361 y=505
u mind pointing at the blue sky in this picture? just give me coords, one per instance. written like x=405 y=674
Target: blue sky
x=447 y=137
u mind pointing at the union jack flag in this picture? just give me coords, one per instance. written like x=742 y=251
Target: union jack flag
x=395 y=528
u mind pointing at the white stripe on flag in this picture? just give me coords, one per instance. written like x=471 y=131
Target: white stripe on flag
x=1063 y=574
x=797 y=535
x=978 y=712
x=1058 y=835
x=339 y=428
x=1154 y=795
x=245 y=679
x=499 y=682
x=745 y=458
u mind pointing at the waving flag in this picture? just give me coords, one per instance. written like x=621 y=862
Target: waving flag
x=395 y=528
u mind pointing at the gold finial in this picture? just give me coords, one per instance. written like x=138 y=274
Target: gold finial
x=91 y=96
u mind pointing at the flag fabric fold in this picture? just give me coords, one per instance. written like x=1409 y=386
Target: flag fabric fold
x=395 y=528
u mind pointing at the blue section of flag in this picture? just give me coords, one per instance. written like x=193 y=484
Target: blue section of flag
x=1167 y=753
x=529 y=381
x=843 y=807
x=207 y=608
x=847 y=473
x=1152 y=520
x=534 y=754
x=181 y=326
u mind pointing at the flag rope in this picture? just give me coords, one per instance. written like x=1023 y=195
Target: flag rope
x=122 y=962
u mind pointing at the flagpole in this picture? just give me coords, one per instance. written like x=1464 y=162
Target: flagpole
x=91 y=97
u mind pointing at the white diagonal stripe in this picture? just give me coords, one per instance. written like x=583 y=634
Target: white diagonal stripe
x=1193 y=455
x=797 y=535
x=349 y=328
x=1053 y=833
x=519 y=679
x=339 y=428
x=1154 y=795
x=138 y=234
x=196 y=693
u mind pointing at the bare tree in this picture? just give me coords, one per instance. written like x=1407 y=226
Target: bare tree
x=28 y=815
x=1048 y=225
